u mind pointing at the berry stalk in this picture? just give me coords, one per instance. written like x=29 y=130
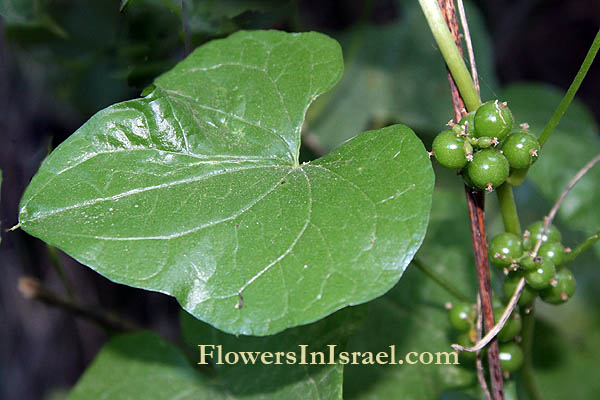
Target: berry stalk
x=451 y=54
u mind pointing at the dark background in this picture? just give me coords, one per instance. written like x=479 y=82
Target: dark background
x=52 y=81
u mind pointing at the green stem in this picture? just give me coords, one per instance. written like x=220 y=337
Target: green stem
x=508 y=208
x=586 y=244
x=564 y=104
x=527 y=375
x=517 y=176
x=449 y=287
x=452 y=56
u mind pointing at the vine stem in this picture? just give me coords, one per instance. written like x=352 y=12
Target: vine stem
x=528 y=319
x=478 y=362
x=451 y=54
x=564 y=104
x=444 y=26
x=33 y=289
x=508 y=209
x=492 y=333
x=440 y=280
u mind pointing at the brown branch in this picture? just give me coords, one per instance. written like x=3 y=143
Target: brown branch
x=33 y=289
x=475 y=205
x=478 y=362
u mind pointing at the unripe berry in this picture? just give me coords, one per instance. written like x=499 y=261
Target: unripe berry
x=493 y=119
x=521 y=149
x=562 y=291
x=488 y=170
x=511 y=356
x=504 y=249
x=449 y=150
x=540 y=277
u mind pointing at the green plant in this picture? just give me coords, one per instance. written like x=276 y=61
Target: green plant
x=493 y=119
x=199 y=190
x=488 y=170
x=521 y=149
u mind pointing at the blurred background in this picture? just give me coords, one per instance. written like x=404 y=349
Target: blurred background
x=61 y=61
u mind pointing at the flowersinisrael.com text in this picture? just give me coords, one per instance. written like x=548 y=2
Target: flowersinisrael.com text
x=215 y=354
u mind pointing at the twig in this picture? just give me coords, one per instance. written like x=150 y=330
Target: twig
x=475 y=205
x=33 y=289
x=492 y=333
x=465 y=26
x=564 y=104
x=447 y=285
x=478 y=363
x=550 y=217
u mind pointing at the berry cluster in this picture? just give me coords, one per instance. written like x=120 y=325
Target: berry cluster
x=545 y=275
x=544 y=272
x=462 y=319
x=471 y=146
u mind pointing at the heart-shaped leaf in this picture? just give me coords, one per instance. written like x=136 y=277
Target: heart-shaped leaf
x=196 y=190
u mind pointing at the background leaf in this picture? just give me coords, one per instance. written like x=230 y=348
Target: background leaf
x=196 y=191
x=291 y=381
x=395 y=72
x=143 y=365
x=573 y=144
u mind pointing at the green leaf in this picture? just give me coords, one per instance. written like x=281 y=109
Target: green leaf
x=395 y=72
x=566 y=349
x=412 y=316
x=196 y=191
x=142 y=365
x=285 y=381
x=573 y=144
x=124 y=366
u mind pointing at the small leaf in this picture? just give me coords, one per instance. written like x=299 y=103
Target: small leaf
x=196 y=190
x=143 y=366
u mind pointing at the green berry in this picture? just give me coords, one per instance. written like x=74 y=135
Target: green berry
x=504 y=249
x=464 y=339
x=530 y=262
x=509 y=286
x=562 y=291
x=552 y=251
x=484 y=142
x=511 y=356
x=535 y=233
x=467 y=122
x=512 y=327
x=462 y=316
x=540 y=277
x=488 y=170
x=449 y=150
x=521 y=149
x=493 y=119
